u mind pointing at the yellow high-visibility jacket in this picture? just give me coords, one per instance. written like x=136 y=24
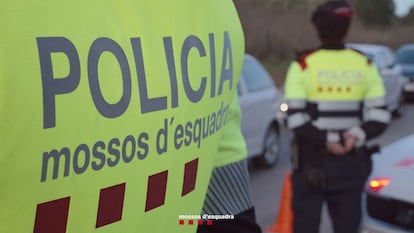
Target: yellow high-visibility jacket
x=332 y=90
x=114 y=113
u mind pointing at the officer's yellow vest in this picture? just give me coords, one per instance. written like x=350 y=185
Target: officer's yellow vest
x=112 y=112
x=334 y=75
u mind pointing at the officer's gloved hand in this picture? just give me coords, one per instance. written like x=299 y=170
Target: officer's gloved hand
x=314 y=178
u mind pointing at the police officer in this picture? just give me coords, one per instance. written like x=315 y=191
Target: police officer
x=229 y=193
x=336 y=103
x=113 y=113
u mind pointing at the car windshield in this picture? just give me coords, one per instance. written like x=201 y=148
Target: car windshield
x=405 y=56
x=370 y=56
x=255 y=76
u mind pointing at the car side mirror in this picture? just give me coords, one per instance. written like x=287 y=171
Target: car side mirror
x=390 y=66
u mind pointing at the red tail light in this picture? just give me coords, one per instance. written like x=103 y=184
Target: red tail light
x=376 y=184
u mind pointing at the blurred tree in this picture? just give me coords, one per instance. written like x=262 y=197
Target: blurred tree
x=375 y=13
x=409 y=18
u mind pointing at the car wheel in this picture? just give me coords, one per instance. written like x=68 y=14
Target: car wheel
x=408 y=96
x=271 y=148
x=399 y=112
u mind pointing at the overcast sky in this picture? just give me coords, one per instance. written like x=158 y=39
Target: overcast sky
x=402 y=7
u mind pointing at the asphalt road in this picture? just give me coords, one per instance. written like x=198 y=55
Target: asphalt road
x=267 y=183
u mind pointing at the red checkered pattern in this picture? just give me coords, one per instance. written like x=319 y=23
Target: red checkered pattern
x=193 y=222
x=52 y=216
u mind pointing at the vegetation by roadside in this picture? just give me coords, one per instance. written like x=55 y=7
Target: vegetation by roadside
x=275 y=30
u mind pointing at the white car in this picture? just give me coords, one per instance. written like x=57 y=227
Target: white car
x=259 y=100
x=388 y=203
x=384 y=58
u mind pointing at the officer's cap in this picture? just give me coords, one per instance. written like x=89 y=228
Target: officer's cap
x=332 y=20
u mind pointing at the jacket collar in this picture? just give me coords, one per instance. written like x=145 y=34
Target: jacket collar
x=333 y=46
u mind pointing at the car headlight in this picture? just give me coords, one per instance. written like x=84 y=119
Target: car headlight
x=284 y=107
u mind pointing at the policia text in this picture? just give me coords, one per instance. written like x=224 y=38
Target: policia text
x=53 y=86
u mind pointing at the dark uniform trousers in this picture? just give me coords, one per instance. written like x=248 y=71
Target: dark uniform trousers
x=344 y=181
